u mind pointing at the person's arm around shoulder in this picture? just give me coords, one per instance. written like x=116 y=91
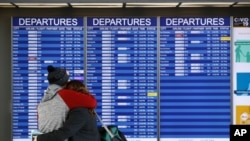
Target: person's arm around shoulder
x=75 y=99
x=73 y=124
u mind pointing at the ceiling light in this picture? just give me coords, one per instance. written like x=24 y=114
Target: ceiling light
x=136 y=5
x=41 y=5
x=206 y=4
x=96 y=5
x=242 y=4
x=6 y=5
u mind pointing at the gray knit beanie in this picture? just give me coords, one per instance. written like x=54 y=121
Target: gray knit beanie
x=57 y=76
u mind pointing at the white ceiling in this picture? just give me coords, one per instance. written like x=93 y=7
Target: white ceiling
x=123 y=5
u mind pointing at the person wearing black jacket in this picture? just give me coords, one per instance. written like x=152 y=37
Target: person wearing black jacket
x=80 y=125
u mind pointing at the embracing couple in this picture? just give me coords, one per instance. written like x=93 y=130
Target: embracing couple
x=66 y=112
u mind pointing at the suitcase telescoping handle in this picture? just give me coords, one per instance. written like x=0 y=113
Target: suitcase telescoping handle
x=104 y=126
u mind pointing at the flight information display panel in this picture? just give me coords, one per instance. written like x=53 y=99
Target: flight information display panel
x=194 y=79
x=37 y=43
x=175 y=73
x=122 y=73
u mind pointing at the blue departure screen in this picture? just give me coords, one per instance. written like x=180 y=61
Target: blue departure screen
x=37 y=43
x=194 y=79
x=122 y=72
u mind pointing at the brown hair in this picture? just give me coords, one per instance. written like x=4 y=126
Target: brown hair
x=78 y=86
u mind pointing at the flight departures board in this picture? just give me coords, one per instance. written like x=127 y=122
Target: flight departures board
x=156 y=78
x=194 y=78
x=37 y=43
x=122 y=72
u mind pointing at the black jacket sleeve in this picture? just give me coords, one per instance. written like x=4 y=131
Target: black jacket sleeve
x=73 y=123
